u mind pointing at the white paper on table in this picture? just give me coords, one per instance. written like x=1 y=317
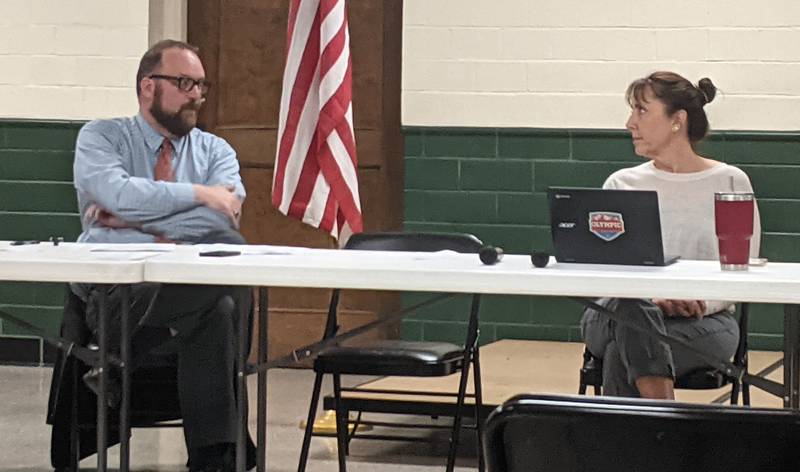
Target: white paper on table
x=137 y=247
x=123 y=255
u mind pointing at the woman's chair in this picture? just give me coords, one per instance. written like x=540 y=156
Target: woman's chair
x=549 y=433
x=399 y=358
x=703 y=378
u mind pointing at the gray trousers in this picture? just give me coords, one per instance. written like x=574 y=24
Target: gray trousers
x=629 y=354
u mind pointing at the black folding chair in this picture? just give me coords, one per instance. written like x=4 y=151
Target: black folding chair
x=549 y=433
x=73 y=407
x=703 y=378
x=399 y=358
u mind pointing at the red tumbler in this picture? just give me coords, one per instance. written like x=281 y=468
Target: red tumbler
x=733 y=215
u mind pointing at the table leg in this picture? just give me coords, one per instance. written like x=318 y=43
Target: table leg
x=241 y=390
x=102 y=423
x=261 y=432
x=791 y=356
x=125 y=373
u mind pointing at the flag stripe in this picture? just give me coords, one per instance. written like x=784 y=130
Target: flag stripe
x=299 y=120
x=332 y=34
x=294 y=5
x=328 y=219
x=305 y=144
x=315 y=176
x=339 y=187
x=306 y=184
x=296 y=34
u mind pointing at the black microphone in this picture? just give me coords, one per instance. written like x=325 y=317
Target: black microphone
x=540 y=259
x=490 y=255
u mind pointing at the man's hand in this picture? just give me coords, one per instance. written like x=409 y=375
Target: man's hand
x=684 y=308
x=102 y=217
x=220 y=198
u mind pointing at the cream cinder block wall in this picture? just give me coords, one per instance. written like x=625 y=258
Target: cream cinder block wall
x=70 y=59
x=566 y=63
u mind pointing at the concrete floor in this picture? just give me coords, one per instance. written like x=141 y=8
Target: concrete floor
x=25 y=438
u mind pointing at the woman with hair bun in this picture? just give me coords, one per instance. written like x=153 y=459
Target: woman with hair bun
x=667 y=121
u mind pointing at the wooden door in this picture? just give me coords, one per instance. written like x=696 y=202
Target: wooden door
x=243 y=46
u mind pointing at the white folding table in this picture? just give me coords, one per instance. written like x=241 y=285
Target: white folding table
x=515 y=275
x=85 y=263
x=267 y=266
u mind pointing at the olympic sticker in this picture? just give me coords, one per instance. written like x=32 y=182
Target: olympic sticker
x=606 y=225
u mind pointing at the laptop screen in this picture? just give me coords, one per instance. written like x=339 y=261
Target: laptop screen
x=606 y=226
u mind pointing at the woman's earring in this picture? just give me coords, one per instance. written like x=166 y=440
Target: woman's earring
x=676 y=127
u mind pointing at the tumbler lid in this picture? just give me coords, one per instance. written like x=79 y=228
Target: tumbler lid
x=734 y=196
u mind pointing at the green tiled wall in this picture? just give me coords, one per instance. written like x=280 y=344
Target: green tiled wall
x=492 y=183
x=37 y=200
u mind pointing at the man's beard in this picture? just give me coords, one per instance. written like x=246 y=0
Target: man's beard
x=178 y=123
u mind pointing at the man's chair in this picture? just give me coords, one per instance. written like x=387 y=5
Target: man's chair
x=399 y=358
x=549 y=433
x=703 y=378
x=73 y=407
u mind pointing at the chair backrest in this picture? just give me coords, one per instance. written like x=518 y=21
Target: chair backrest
x=415 y=242
x=536 y=433
x=419 y=242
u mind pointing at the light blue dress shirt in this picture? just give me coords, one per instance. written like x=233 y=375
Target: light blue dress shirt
x=113 y=169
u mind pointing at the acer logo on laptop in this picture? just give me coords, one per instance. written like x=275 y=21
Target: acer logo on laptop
x=606 y=225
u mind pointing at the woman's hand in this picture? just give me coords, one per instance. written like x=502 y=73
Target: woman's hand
x=684 y=308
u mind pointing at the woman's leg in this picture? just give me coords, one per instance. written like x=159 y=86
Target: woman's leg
x=716 y=335
x=597 y=329
x=615 y=374
x=632 y=361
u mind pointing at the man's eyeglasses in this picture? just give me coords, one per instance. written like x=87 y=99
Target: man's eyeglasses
x=185 y=83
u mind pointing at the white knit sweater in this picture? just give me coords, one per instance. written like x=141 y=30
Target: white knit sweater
x=686 y=203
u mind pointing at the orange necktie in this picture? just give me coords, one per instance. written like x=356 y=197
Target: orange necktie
x=163 y=169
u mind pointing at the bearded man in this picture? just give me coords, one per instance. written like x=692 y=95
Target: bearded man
x=156 y=177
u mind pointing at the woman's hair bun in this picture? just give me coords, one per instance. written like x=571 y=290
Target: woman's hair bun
x=707 y=89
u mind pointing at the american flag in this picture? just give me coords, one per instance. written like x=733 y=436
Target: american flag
x=315 y=167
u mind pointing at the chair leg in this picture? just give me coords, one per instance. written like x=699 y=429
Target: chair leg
x=735 y=393
x=462 y=391
x=476 y=375
x=341 y=423
x=745 y=394
x=582 y=389
x=591 y=373
x=312 y=414
x=74 y=430
x=352 y=434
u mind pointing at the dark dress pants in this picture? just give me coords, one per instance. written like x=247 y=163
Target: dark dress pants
x=199 y=323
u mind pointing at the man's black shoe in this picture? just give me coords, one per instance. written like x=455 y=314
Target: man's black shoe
x=113 y=387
